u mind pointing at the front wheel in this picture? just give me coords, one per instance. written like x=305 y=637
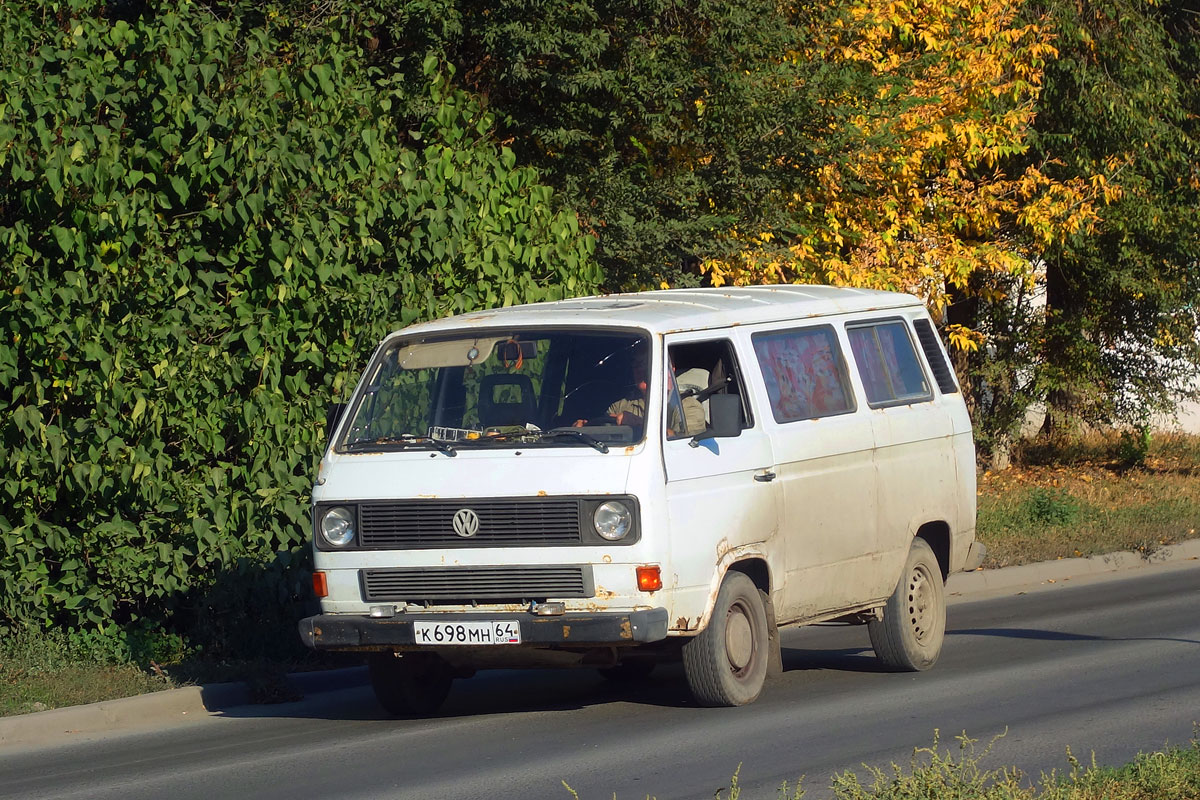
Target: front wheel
x=726 y=663
x=415 y=684
x=909 y=637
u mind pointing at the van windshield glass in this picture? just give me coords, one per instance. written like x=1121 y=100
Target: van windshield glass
x=520 y=388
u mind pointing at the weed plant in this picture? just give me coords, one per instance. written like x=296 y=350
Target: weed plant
x=936 y=774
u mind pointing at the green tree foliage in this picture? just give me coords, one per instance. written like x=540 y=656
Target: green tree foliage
x=664 y=124
x=1117 y=340
x=205 y=224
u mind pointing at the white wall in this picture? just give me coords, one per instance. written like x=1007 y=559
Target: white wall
x=1187 y=421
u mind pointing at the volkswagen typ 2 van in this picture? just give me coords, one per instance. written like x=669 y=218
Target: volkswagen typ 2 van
x=613 y=482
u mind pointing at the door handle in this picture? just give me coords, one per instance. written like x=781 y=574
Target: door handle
x=766 y=476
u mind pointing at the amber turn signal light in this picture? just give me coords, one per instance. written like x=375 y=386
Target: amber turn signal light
x=320 y=585
x=649 y=579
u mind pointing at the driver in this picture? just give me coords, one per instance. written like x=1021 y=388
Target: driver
x=631 y=409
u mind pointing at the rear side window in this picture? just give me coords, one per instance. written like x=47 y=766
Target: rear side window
x=887 y=363
x=805 y=373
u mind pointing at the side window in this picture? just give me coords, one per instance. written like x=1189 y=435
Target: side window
x=805 y=373
x=887 y=363
x=695 y=372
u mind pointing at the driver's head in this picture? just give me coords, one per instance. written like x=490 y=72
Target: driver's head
x=639 y=374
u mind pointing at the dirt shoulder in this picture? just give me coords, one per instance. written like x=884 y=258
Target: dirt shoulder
x=1096 y=499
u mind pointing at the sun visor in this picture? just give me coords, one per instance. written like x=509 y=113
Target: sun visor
x=454 y=353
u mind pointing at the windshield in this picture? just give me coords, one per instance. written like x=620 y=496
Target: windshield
x=503 y=388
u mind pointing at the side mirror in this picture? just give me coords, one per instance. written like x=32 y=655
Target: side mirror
x=725 y=418
x=333 y=415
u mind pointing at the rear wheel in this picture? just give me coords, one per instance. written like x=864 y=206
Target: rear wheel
x=909 y=637
x=726 y=663
x=414 y=684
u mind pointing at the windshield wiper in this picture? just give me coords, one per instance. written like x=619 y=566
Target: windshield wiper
x=586 y=438
x=406 y=439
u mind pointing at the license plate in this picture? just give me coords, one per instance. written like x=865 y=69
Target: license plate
x=481 y=632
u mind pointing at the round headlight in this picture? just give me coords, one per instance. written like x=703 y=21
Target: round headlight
x=613 y=520
x=337 y=526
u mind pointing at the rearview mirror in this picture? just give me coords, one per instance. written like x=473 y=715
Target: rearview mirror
x=516 y=351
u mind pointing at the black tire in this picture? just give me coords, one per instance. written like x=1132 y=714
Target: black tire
x=726 y=663
x=415 y=684
x=909 y=637
x=628 y=671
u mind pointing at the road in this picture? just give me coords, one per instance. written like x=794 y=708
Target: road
x=1110 y=667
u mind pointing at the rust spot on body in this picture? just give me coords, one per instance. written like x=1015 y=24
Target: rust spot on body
x=566 y=631
x=607 y=559
x=723 y=548
x=626 y=630
x=541 y=493
x=681 y=624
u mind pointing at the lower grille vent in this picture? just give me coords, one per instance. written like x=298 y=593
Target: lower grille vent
x=467 y=584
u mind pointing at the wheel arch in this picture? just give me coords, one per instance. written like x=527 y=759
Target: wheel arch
x=750 y=561
x=756 y=569
x=937 y=535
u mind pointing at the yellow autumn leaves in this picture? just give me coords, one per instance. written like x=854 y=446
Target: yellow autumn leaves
x=930 y=195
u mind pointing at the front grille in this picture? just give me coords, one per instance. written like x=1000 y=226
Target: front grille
x=424 y=524
x=468 y=584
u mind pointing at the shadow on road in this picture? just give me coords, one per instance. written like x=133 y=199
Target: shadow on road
x=537 y=691
x=493 y=692
x=853 y=659
x=1060 y=636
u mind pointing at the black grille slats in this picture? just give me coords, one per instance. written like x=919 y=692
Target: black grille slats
x=417 y=524
x=933 y=354
x=468 y=584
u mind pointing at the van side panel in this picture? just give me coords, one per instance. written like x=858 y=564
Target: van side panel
x=914 y=455
x=826 y=475
x=912 y=433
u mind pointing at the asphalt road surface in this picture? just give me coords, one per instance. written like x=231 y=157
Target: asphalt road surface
x=1111 y=667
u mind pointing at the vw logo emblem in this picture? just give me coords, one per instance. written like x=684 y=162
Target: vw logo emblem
x=466 y=523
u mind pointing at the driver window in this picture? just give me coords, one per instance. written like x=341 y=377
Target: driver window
x=695 y=372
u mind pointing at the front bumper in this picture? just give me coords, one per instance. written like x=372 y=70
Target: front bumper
x=357 y=632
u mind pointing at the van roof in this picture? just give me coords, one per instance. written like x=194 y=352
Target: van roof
x=671 y=310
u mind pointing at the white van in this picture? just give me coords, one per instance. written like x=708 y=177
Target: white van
x=616 y=481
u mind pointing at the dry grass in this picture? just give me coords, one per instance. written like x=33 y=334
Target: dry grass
x=1090 y=500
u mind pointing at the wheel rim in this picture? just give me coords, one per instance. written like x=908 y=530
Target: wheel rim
x=739 y=640
x=922 y=605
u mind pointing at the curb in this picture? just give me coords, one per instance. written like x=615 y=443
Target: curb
x=983 y=581
x=191 y=702
x=157 y=708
